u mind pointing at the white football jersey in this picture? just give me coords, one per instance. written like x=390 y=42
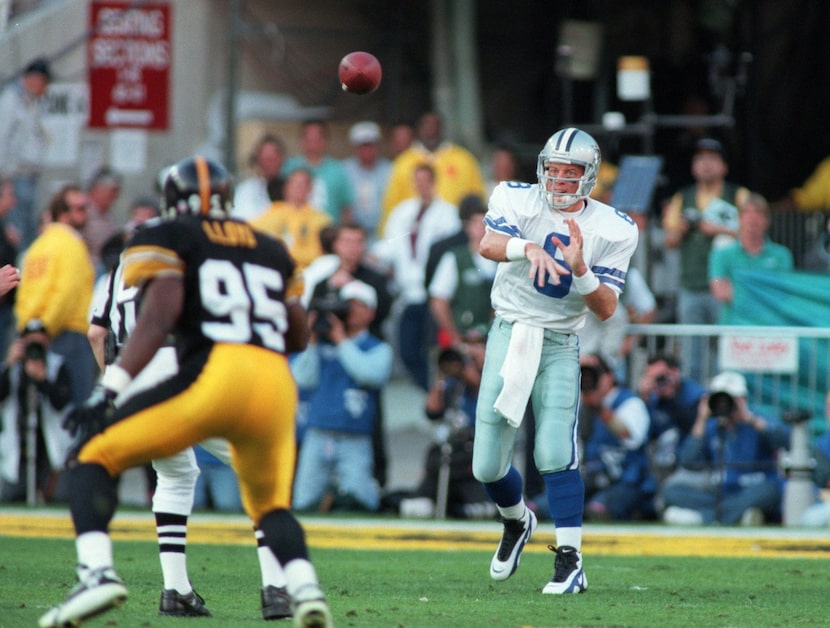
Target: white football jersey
x=609 y=239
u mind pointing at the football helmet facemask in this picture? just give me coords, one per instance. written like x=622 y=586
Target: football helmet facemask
x=568 y=146
x=197 y=186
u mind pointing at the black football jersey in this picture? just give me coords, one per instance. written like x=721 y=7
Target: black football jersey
x=236 y=280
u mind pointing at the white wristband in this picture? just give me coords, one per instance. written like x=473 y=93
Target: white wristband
x=515 y=249
x=585 y=284
x=115 y=378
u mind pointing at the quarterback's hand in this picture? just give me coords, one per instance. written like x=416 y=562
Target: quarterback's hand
x=93 y=416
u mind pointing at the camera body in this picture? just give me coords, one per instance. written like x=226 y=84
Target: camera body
x=722 y=404
x=323 y=307
x=692 y=216
x=34 y=350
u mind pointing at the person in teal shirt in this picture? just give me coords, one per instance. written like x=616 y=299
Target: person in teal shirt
x=331 y=188
x=753 y=250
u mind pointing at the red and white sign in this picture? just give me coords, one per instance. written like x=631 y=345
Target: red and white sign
x=757 y=354
x=129 y=57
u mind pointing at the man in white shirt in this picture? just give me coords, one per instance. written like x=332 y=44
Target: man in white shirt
x=413 y=226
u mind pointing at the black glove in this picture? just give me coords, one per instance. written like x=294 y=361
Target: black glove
x=93 y=416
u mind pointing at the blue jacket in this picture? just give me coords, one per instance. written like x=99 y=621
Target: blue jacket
x=342 y=383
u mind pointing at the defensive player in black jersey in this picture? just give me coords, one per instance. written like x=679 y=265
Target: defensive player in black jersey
x=227 y=296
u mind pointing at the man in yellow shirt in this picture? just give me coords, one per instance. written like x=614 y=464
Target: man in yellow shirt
x=814 y=193
x=457 y=171
x=56 y=284
x=295 y=221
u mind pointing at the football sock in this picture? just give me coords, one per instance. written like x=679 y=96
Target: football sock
x=301 y=576
x=172 y=535
x=513 y=512
x=569 y=536
x=93 y=496
x=94 y=549
x=566 y=498
x=507 y=492
x=285 y=536
x=269 y=567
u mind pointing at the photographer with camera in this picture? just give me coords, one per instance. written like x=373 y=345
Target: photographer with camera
x=738 y=448
x=341 y=375
x=618 y=483
x=35 y=395
x=672 y=402
x=448 y=487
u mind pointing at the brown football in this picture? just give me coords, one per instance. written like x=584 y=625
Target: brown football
x=359 y=72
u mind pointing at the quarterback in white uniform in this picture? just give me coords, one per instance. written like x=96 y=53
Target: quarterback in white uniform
x=561 y=253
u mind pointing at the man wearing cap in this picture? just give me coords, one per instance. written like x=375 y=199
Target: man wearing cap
x=693 y=218
x=739 y=448
x=368 y=174
x=23 y=145
x=342 y=372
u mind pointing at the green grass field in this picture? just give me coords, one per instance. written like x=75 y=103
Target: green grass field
x=412 y=588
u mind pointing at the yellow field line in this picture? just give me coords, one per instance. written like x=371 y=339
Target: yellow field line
x=363 y=535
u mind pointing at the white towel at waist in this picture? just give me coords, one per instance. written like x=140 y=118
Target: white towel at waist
x=519 y=371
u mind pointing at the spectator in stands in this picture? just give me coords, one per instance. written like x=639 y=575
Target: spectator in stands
x=470 y=204
x=618 y=483
x=368 y=174
x=818 y=256
x=448 y=471
x=752 y=251
x=23 y=142
x=344 y=369
x=504 y=166
x=102 y=193
x=251 y=197
x=738 y=447
x=413 y=227
x=672 y=401
x=295 y=220
x=401 y=136
x=459 y=293
x=331 y=190
x=457 y=171
x=694 y=216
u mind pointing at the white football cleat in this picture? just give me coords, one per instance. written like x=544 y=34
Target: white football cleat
x=568 y=575
x=516 y=533
x=97 y=591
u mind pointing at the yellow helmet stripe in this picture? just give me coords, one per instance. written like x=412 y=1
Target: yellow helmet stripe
x=203 y=174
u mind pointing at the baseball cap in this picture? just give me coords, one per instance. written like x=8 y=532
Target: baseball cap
x=39 y=66
x=729 y=382
x=360 y=291
x=364 y=133
x=710 y=144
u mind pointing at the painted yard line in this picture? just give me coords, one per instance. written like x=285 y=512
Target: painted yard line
x=602 y=541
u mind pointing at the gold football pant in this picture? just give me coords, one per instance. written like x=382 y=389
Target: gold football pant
x=242 y=393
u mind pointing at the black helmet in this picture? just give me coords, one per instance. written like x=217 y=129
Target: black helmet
x=197 y=186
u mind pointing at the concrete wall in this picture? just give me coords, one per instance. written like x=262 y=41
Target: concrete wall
x=288 y=57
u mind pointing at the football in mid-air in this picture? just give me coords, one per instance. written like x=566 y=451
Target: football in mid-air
x=359 y=72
